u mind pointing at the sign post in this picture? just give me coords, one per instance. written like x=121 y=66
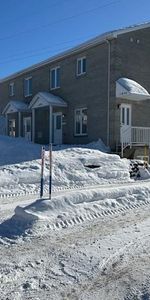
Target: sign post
x=50 y=171
x=42 y=171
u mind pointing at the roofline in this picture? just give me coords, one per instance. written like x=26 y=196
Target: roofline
x=88 y=44
x=56 y=57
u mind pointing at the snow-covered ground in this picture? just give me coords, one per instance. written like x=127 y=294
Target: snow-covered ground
x=90 y=241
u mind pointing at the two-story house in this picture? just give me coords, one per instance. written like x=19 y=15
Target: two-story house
x=99 y=89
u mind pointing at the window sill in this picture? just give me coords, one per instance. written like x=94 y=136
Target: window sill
x=27 y=95
x=81 y=75
x=80 y=135
x=55 y=88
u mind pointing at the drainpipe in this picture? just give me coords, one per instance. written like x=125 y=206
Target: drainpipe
x=108 y=92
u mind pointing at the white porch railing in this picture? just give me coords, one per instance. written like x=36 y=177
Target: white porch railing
x=140 y=135
x=133 y=136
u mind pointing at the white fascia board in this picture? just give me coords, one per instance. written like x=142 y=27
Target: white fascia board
x=9 y=109
x=40 y=100
x=134 y=97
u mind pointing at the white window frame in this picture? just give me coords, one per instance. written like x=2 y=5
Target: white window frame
x=26 y=79
x=80 y=59
x=81 y=133
x=11 y=89
x=55 y=83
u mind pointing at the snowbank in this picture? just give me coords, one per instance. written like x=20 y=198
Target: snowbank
x=21 y=166
x=17 y=150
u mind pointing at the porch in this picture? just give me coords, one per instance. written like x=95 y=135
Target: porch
x=135 y=136
x=133 y=101
x=40 y=122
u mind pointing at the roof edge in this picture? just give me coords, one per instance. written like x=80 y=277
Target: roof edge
x=58 y=56
x=100 y=39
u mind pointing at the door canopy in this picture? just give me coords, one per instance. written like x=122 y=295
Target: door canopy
x=15 y=106
x=42 y=99
x=130 y=90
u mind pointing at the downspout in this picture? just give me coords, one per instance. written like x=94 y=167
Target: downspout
x=108 y=92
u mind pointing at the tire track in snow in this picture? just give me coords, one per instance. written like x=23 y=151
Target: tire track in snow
x=79 y=219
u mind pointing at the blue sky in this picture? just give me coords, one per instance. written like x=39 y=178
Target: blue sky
x=33 y=30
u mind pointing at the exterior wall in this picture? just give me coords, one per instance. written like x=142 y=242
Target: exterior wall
x=131 y=59
x=89 y=90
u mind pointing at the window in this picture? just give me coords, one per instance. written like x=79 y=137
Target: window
x=128 y=116
x=81 y=66
x=11 y=89
x=28 y=86
x=55 y=78
x=58 y=121
x=81 y=121
x=123 y=115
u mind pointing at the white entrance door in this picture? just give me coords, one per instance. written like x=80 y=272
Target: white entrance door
x=27 y=128
x=12 y=127
x=125 y=128
x=57 y=128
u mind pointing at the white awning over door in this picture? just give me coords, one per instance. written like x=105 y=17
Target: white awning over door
x=130 y=90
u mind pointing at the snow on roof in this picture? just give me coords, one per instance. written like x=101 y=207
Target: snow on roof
x=45 y=99
x=132 y=86
x=19 y=104
x=14 y=106
x=130 y=89
x=96 y=40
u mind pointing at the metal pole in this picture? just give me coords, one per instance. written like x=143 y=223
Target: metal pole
x=108 y=91
x=42 y=171
x=50 y=171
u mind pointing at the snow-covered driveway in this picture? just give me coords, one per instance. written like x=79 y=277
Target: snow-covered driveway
x=107 y=258
x=90 y=241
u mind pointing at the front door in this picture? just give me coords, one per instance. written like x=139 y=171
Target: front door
x=12 y=127
x=125 y=126
x=57 y=128
x=27 y=128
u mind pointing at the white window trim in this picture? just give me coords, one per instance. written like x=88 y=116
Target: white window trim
x=78 y=134
x=80 y=59
x=54 y=69
x=27 y=79
x=124 y=105
x=11 y=89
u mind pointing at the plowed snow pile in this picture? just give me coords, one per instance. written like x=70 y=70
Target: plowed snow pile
x=21 y=166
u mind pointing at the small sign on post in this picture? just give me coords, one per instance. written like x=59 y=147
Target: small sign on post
x=42 y=171
x=50 y=171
